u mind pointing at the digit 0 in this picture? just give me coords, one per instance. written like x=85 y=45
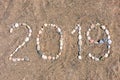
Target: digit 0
x=42 y=54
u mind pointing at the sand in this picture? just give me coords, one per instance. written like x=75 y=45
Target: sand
x=66 y=14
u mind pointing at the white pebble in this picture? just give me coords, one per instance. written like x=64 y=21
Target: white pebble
x=108 y=46
x=96 y=59
x=26 y=39
x=23 y=44
x=90 y=55
x=29 y=34
x=16 y=25
x=44 y=57
x=37 y=39
x=18 y=59
x=93 y=57
x=106 y=55
x=103 y=27
x=58 y=29
x=88 y=33
x=40 y=31
x=11 y=55
x=98 y=24
x=30 y=30
x=61 y=48
x=79 y=57
x=14 y=60
x=38 y=42
x=76 y=27
x=53 y=25
x=11 y=30
x=53 y=58
x=108 y=51
x=109 y=41
x=45 y=24
x=88 y=37
x=108 y=36
x=73 y=31
x=89 y=29
x=107 y=32
x=57 y=56
x=80 y=42
x=38 y=47
x=79 y=37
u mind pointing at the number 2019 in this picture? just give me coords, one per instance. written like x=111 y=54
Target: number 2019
x=77 y=28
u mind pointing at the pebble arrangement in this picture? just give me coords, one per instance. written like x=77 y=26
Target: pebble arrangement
x=78 y=27
x=17 y=25
x=101 y=41
x=42 y=54
x=105 y=40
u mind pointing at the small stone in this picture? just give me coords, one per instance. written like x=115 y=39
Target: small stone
x=29 y=35
x=91 y=41
x=88 y=37
x=24 y=24
x=89 y=29
x=107 y=32
x=106 y=55
x=11 y=30
x=61 y=48
x=40 y=32
x=14 y=60
x=93 y=57
x=26 y=59
x=108 y=46
x=27 y=39
x=89 y=55
x=38 y=47
x=16 y=24
x=58 y=29
x=61 y=42
x=59 y=53
x=103 y=27
x=79 y=57
x=79 y=27
x=45 y=24
x=96 y=59
x=73 y=31
x=98 y=24
x=108 y=36
x=23 y=44
x=49 y=57
x=88 y=33
x=79 y=37
x=30 y=30
x=53 y=58
x=101 y=41
x=18 y=59
x=80 y=42
x=92 y=26
x=44 y=57
x=37 y=39
x=57 y=56
x=11 y=55
x=109 y=41
x=38 y=42
x=108 y=51
x=76 y=28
